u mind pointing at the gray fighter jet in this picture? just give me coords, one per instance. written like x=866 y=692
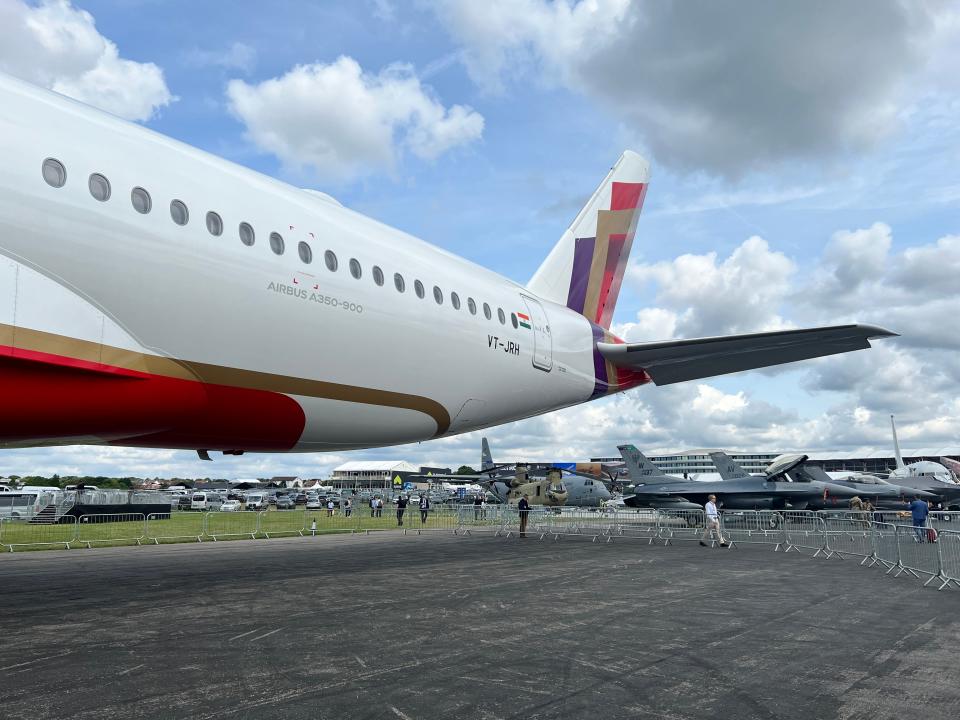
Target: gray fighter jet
x=882 y=494
x=653 y=489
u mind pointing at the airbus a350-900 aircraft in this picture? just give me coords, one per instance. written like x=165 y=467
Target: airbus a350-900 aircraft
x=154 y=295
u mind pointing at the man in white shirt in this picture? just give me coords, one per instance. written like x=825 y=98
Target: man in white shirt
x=711 y=523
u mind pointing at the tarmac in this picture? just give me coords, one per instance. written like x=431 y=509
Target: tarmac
x=437 y=626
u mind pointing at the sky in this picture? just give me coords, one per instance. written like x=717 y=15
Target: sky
x=804 y=172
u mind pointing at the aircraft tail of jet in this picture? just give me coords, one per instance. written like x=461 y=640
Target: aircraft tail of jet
x=728 y=468
x=896 y=445
x=641 y=469
x=584 y=271
x=486 y=459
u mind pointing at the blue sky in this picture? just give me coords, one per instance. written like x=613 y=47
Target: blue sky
x=827 y=134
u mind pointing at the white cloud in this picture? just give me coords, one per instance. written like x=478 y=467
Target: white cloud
x=57 y=46
x=711 y=86
x=343 y=122
x=743 y=293
x=239 y=56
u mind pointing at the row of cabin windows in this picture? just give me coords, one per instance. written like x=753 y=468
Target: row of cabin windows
x=55 y=175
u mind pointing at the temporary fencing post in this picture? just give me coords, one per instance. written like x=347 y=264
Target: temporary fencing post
x=282 y=522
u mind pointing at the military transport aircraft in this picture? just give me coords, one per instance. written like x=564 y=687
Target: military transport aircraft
x=154 y=295
x=655 y=490
x=882 y=494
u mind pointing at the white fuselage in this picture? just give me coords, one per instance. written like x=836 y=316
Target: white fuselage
x=99 y=283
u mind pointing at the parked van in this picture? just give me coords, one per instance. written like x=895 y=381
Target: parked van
x=205 y=501
x=256 y=501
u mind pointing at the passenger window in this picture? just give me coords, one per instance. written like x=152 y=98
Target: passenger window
x=486 y=311
x=455 y=300
x=471 y=306
x=355 y=268
x=418 y=289
x=99 y=187
x=306 y=254
x=214 y=224
x=276 y=243
x=330 y=260
x=501 y=316
x=377 y=275
x=247 y=236
x=513 y=320
x=140 y=199
x=179 y=212
x=54 y=173
x=398 y=281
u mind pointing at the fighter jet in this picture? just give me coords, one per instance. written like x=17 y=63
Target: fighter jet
x=882 y=494
x=653 y=489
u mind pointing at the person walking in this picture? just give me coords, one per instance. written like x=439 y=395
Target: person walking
x=424 y=508
x=918 y=512
x=524 y=507
x=711 y=523
x=401 y=507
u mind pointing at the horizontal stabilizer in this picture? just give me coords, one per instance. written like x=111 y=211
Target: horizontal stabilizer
x=674 y=361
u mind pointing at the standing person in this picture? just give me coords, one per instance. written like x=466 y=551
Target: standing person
x=330 y=507
x=477 y=506
x=918 y=512
x=524 y=507
x=373 y=507
x=379 y=506
x=401 y=506
x=712 y=522
x=424 y=508
x=347 y=507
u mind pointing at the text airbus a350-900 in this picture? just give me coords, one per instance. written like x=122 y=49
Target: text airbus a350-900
x=153 y=295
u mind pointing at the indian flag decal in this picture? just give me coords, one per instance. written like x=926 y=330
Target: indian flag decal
x=524 y=320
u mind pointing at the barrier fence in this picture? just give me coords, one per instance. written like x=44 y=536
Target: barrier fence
x=931 y=552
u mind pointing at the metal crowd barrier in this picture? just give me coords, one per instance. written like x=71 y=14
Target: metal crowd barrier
x=176 y=527
x=20 y=532
x=119 y=527
x=753 y=527
x=236 y=524
x=803 y=529
x=680 y=525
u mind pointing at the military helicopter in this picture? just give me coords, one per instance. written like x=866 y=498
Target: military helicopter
x=548 y=491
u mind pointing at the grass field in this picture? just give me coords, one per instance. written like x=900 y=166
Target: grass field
x=215 y=526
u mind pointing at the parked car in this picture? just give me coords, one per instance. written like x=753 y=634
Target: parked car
x=313 y=503
x=230 y=506
x=284 y=502
x=184 y=502
x=300 y=499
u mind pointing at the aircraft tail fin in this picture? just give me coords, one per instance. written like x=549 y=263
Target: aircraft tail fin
x=896 y=445
x=641 y=469
x=728 y=468
x=486 y=459
x=584 y=271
